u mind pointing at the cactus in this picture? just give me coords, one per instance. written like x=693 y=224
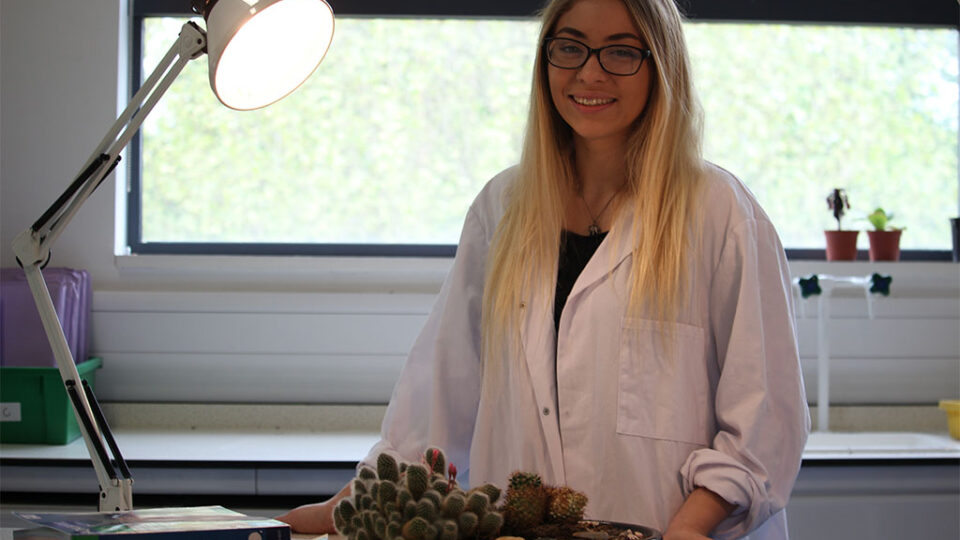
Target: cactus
x=492 y=492
x=565 y=505
x=403 y=496
x=380 y=527
x=387 y=468
x=368 y=516
x=530 y=505
x=338 y=520
x=490 y=524
x=387 y=495
x=433 y=496
x=435 y=459
x=402 y=501
x=521 y=479
x=440 y=485
x=478 y=503
x=427 y=510
x=416 y=480
x=409 y=510
x=453 y=505
x=415 y=529
x=347 y=509
x=359 y=487
x=467 y=523
x=525 y=507
x=448 y=531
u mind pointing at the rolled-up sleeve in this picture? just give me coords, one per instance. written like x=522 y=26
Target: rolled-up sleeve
x=760 y=405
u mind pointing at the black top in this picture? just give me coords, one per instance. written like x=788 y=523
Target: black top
x=575 y=252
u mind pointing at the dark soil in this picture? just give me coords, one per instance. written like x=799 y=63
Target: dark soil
x=585 y=530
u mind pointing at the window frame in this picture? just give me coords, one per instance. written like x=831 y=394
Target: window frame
x=920 y=13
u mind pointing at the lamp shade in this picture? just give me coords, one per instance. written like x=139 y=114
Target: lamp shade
x=261 y=51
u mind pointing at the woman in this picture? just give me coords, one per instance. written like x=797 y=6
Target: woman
x=618 y=317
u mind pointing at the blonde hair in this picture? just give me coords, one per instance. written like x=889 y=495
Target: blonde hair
x=664 y=165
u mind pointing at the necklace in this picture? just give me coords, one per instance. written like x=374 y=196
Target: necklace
x=594 y=227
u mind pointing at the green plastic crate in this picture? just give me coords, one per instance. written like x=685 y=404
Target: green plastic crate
x=37 y=396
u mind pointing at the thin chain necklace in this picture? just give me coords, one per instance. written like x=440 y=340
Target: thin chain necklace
x=594 y=227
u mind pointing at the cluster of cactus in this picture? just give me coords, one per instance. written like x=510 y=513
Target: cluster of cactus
x=530 y=504
x=416 y=502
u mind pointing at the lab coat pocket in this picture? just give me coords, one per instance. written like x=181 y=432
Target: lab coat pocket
x=663 y=382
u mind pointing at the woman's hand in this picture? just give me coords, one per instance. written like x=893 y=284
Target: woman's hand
x=315 y=518
x=683 y=534
x=698 y=516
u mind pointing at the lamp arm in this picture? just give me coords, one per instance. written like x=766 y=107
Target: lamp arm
x=45 y=231
x=32 y=248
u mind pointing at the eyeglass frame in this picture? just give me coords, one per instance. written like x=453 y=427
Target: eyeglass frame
x=645 y=54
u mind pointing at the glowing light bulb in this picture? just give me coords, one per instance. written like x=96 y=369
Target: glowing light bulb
x=272 y=53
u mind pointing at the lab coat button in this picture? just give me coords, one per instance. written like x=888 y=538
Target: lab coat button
x=546 y=411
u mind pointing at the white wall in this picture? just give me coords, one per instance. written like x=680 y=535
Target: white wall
x=59 y=78
x=331 y=321
x=58 y=96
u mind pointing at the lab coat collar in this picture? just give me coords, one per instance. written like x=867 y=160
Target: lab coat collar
x=615 y=248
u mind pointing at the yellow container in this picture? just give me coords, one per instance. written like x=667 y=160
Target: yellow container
x=952 y=406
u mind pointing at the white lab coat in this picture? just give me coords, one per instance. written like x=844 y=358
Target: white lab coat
x=607 y=411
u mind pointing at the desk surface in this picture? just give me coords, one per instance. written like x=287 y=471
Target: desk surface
x=246 y=446
x=11 y=523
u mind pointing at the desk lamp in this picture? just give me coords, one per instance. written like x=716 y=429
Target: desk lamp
x=259 y=52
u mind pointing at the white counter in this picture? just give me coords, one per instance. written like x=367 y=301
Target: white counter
x=880 y=445
x=310 y=448
x=850 y=485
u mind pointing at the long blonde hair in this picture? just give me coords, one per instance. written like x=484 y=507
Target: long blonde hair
x=664 y=166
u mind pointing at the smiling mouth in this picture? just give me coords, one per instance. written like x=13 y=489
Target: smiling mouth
x=592 y=102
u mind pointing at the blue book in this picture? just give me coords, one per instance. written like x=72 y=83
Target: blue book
x=191 y=523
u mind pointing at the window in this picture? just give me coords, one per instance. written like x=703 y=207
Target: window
x=796 y=110
x=386 y=145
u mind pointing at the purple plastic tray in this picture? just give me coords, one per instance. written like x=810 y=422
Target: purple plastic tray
x=23 y=341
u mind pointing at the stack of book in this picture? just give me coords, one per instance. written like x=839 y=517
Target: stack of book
x=192 y=523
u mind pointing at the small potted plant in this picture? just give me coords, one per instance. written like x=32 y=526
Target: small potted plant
x=884 y=239
x=841 y=244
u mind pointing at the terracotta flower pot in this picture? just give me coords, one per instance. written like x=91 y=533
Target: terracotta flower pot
x=841 y=245
x=884 y=245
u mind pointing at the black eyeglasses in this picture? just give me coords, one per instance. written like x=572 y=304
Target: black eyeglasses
x=566 y=53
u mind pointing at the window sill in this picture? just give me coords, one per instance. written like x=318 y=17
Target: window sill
x=426 y=274
x=321 y=274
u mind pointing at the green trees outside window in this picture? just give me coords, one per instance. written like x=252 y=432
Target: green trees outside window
x=407 y=118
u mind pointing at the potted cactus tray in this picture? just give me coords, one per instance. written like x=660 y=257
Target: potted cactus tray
x=422 y=501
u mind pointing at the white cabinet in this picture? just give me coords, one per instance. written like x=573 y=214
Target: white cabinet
x=873 y=499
